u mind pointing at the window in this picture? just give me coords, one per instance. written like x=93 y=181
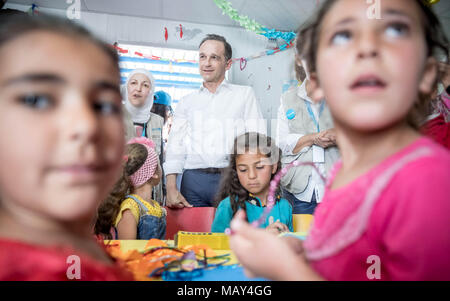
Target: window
x=175 y=70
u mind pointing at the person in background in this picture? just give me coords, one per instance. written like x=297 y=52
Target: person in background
x=204 y=127
x=437 y=125
x=162 y=104
x=140 y=121
x=306 y=134
x=129 y=209
x=162 y=107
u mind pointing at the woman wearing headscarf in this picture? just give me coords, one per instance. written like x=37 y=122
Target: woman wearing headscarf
x=139 y=121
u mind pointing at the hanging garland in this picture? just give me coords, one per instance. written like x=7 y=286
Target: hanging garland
x=151 y=57
x=255 y=27
x=274 y=34
x=244 y=21
x=252 y=25
x=243 y=60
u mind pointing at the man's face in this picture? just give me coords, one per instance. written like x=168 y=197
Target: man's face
x=212 y=61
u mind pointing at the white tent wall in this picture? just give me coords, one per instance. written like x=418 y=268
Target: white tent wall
x=266 y=74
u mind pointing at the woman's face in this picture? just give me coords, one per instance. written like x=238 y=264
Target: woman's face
x=61 y=126
x=138 y=87
x=370 y=71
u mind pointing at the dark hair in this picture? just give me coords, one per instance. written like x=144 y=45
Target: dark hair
x=109 y=208
x=15 y=25
x=436 y=41
x=301 y=43
x=5 y=13
x=300 y=73
x=230 y=185
x=161 y=110
x=215 y=37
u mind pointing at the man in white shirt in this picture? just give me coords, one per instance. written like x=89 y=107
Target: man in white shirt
x=204 y=127
x=305 y=133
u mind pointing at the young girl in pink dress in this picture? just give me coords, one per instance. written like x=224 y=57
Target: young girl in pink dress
x=385 y=213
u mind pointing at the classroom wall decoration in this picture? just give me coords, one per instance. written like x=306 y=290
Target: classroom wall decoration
x=255 y=27
x=185 y=33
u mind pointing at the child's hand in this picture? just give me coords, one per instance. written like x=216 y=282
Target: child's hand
x=277 y=228
x=265 y=255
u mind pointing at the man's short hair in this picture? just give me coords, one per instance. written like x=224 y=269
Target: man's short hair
x=215 y=37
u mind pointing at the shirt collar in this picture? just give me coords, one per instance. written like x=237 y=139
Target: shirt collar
x=301 y=92
x=223 y=84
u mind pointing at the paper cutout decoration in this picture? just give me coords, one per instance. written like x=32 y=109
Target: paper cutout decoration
x=185 y=33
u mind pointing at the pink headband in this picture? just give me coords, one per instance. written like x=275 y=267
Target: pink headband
x=147 y=170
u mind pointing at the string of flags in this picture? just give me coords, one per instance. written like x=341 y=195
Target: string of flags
x=151 y=57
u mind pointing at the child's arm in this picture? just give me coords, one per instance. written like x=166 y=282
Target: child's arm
x=265 y=255
x=223 y=217
x=127 y=226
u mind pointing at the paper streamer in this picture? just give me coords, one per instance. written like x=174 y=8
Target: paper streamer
x=244 y=21
x=274 y=34
x=243 y=60
x=151 y=57
x=255 y=27
x=252 y=25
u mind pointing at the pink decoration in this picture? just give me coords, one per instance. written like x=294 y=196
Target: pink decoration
x=147 y=170
x=142 y=140
x=273 y=187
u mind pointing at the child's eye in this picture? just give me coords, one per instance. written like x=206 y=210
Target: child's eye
x=242 y=170
x=40 y=102
x=259 y=167
x=397 y=30
x=107 y=108
x=341 y=38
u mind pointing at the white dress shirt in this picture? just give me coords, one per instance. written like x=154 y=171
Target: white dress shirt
x=287 y=142
x=205 y=125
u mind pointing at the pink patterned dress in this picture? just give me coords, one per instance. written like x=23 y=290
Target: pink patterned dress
x=393 y=223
